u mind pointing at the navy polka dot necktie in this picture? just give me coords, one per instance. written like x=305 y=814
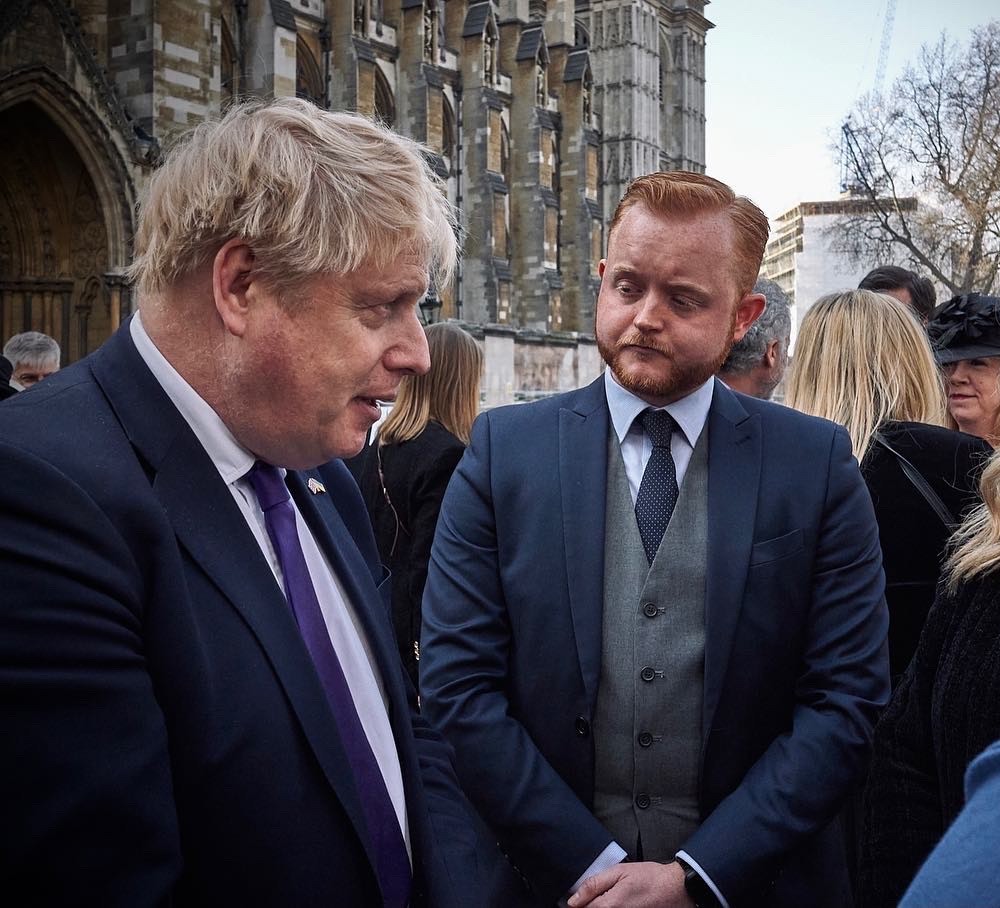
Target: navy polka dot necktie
x=658 y=490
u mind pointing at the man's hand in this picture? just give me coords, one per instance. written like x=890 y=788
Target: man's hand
x=643 y=885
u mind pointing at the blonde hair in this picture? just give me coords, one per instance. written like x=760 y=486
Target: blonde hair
x=448 y=394
x=862 y=359
x=311 y=191
x=975 y=547
x=685 y=194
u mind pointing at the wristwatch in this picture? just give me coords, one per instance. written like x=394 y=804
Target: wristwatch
x=696 y=887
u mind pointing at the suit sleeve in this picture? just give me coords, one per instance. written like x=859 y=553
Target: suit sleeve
x=804 y=777
x=545 y=828
x=84 y=771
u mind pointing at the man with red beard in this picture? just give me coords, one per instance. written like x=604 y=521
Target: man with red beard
x=654 y=628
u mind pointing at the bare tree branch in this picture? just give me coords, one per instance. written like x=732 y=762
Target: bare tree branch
x=937 y=131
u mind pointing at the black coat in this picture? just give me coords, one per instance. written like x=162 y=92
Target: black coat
x=944 y=713
x=913 y=537
x=416 y=475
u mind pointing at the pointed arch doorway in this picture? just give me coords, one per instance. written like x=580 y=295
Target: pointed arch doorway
x=65 y=226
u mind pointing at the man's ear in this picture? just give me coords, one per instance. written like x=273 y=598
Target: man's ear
x=601 y=265
x=771 y=353
x=747 y=311
x=232 y=279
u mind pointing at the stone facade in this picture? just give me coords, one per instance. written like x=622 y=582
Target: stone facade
x=537 y=113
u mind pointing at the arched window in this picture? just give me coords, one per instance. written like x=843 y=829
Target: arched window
x=229 y=71
x=449 y=148
x=554 y=152
x=385 y=103
x=505 y=152
x=308 y=76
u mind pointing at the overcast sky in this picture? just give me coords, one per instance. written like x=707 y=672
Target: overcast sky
x=783 y=74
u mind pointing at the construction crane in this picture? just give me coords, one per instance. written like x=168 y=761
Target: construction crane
x=883 y=51
x=848 y=141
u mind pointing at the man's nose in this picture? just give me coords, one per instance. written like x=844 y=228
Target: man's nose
x=412 y=353
x=649 y=314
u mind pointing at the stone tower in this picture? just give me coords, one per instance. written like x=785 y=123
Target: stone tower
x=648 y=58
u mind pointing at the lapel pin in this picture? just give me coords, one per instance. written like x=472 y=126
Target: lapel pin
x=315 y=486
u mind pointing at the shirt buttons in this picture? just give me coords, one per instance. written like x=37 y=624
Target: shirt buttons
x=650 y=610
x=647 y=674
x=642 y=801
x=645 y=739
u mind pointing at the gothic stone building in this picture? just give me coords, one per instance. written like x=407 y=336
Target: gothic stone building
x=537 y=112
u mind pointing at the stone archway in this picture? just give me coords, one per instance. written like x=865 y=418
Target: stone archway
x=65 y=223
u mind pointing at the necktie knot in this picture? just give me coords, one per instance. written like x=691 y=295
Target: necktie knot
x=268 y=484
x=659 y=426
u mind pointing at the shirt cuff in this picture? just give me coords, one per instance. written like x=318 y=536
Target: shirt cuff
x=696 y=867
x=612 y=855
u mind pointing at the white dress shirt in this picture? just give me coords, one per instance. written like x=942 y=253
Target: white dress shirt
x=690 y=413
x=233 y=461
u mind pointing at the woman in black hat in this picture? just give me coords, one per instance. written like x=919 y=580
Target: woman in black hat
x=965 y=333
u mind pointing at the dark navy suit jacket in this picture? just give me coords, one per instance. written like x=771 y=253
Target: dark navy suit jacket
x=165 y=736
x=795 y=659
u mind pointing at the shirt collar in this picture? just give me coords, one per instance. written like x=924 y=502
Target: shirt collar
x=231 y=459
x=690 y=412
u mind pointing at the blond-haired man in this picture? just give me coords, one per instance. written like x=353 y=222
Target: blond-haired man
x=202 y=700
x=653 y=619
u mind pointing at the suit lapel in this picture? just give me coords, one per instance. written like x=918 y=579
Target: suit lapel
x=734 y=465
x=211 y=528
x=583 y=459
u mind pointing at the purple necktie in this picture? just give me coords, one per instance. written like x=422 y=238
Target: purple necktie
x=380 y=817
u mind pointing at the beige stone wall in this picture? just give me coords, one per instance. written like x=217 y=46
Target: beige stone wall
x=578 y=121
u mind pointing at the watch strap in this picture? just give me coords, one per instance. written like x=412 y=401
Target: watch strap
x=696 y=887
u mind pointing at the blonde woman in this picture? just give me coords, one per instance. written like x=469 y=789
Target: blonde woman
x=404 y=474
x=862 y=360
x=945 y=712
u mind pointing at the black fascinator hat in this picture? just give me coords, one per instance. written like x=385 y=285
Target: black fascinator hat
x=966 y=327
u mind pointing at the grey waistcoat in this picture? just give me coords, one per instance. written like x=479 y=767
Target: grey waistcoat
x=647 y=722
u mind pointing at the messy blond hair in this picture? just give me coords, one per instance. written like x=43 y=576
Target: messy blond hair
x=680 y=193
x=975 y=547
x=448 y=394
x=311 y=191
x=862 y=359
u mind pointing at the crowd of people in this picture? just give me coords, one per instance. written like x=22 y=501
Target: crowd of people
x=658 y=641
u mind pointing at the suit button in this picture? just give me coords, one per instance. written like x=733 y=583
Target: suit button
x=650 y=610
x=642 y=801
x=582 y=727
x=647 y=674
x=645 y=739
